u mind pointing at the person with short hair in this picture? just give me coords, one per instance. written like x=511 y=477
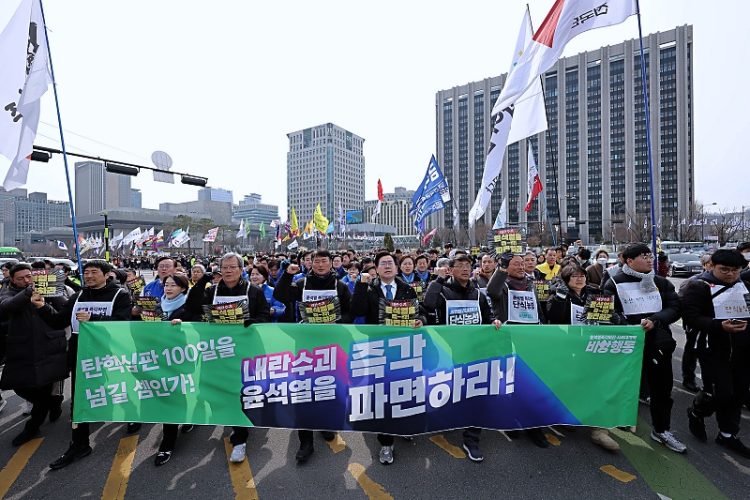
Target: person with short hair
x=595 y=272
x=549 y=268
x=98 y=301
x=259 y=277
x=656 y=308
x=715 y=305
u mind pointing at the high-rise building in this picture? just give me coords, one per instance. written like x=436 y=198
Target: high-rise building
x=22 y=214
x=253 y=211
x=394 y=211
x=136 y=198
x=215 y=194
x=593 y=159
x=326 y=165
x=97 y=189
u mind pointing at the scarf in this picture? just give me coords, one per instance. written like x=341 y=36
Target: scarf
x=171 y=305
x=409 y=278
x=517 y=284
x=647 y=279
x=423 y=276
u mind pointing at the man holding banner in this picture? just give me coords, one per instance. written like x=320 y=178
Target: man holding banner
x=458 y=301
x=231 y=290
x=386 y=300
x=98 y=301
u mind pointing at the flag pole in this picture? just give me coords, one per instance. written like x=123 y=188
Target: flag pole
x=648 y=135
x=62 y=142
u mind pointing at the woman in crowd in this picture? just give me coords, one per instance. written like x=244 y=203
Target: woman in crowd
x=259 y=278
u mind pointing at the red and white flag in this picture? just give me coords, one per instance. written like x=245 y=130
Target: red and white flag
x=535 y=182
x=25 y=78
x=376 y=212
x=566 y=20
x=428 y=237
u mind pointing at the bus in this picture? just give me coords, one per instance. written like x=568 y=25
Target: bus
x=696 y=247
x=11 y=252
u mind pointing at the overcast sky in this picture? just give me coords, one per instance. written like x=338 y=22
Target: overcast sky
x=219 y=84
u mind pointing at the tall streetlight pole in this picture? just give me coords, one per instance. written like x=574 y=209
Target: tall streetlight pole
x=106 y=236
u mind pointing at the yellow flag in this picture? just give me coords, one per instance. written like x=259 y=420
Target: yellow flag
x=295 y=226
x=321 y=223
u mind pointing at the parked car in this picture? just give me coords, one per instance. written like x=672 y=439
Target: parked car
x=685 y=264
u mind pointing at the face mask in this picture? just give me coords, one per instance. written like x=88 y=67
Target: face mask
x=746 y=255
x=601 y=261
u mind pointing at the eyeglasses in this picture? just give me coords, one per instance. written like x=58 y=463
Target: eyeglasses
x=229 y=268
x=386 y=263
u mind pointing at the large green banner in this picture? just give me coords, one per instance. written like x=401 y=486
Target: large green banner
x=358 y=377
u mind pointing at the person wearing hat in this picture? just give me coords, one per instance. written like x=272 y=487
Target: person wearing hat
x=98 y=301
x=715 y=305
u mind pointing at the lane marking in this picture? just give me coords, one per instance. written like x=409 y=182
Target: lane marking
x=740 y=467
x=447 y=447
x=666 y=472
x=338 y=444
x=122 y=466
x=241 y=475
x=553 y=440
x=373 y=490
x=16 y=464
x=620 y=475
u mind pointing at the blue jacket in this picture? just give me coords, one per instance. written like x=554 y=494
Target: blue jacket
x=347 y=280
x=153 y=289
x=278 y=307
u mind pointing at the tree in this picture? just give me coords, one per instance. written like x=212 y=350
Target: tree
x=388 y=242
x=725 y=225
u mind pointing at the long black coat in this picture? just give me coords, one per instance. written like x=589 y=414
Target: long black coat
x=367 y=297
x=36 y=353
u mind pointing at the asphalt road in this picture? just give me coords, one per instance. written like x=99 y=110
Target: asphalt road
x=429 y=467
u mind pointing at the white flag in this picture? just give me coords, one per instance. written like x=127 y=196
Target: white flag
x=375 y=212
x=132 y=236
x=456 y=216
x=564 y=21
x=241 y=230
x=292 y=245
x=502 y=215
x=493 y=164
x=530 y=116
x=62 y=246
x=23 y=57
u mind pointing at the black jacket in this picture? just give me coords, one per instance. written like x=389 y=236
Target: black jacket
x=60 y=317
x=185 y=314
x=497 y=289
x=36 y=354
x=257 y=305
x=441 y=290
x=698 y=313
x=367 y=297
x=558 y=306
x=660 y=336
x=291 y=293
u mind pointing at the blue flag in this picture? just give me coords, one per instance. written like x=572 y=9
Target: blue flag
x=433 y=183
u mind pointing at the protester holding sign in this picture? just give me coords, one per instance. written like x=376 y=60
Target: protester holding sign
x=36 y=353
x=175 y=310
x=716 y=305
x=259 y=277
x=372 y=299
x=408 y=273
x=321 y=298
x=98 y=301
x=458 y=301
x=514 y=300
x=650 y=301
x=232 y=289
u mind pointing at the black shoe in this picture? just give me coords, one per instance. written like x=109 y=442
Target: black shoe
x=185 y=428
x=690 y=386
x=473 y=452
x=162 y=457
x=54 y=413
x=697 y=426
x=328 y=435
x=74 y=452
x=734 y=444
x=133 y=428
x=24 y=437
x=304 y=453
x=537 y=437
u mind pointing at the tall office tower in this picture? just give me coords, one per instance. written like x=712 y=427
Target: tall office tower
x=325 y=165
x=97 y=189
x=593 y=159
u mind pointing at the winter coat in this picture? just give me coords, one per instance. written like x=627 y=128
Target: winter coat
x=441 y=290
x=367 y=298
x=291 y=293
x=36 y=354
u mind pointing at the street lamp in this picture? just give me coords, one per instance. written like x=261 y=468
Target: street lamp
x=703 y=221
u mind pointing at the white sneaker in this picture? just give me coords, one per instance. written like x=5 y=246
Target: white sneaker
x=386 y=455
x=669 y=440
x=238 y=453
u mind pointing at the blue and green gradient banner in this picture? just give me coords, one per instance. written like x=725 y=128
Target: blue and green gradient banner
x=359 y=377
